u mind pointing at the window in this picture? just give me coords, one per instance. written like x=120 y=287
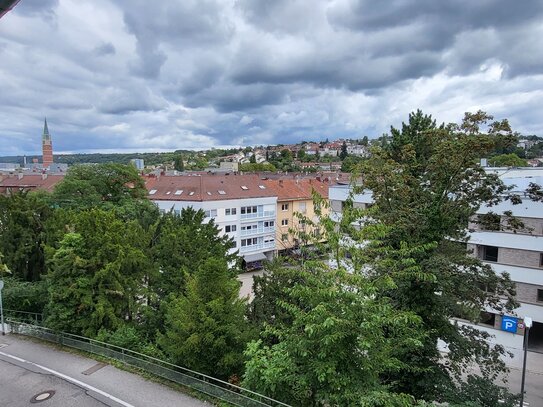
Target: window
x=540 y=259
x=178 y=192
x=244 y=187
x=221 y=192
x=490 y=253
x=210 y=213
x=152 y=192
x=249 y=227
x=230 y=211
x=248 y=209
x=284 y=237
x=539 y=294
x=284 y=222
x=301 y=207
x=262 y=187
x=284 y=207
x=230 y=228
x=249 y=242
x=269 y=223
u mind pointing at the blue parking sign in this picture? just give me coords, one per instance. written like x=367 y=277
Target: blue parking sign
x=509 y=324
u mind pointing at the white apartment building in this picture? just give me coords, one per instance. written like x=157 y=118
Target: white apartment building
x=519 y=252
x=241 y=205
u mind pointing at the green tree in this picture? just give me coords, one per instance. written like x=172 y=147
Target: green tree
x=334 y=339
x=178 y=164
x=343 y=154
x=96 y=275
x=86 y=186
x=508 y=160
x=23 y=233
x=252 y=167
x=205 y=329
x=107 y=186
x=427 y=186
x=181 y=244
x=252 y=159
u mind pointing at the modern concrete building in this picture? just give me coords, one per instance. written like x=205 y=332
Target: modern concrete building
x=518 y=252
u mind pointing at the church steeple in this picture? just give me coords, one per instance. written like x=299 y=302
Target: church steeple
x=45 y=135
x=47 y=146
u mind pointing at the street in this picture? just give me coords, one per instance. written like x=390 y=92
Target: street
x=28 y=368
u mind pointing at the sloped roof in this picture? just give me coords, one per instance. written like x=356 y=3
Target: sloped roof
x=297 y=189
x=207 y=187
x=32 y=182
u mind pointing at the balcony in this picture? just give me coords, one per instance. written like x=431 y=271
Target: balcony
x=257 y=231
x=260 y=246
x=257 y=215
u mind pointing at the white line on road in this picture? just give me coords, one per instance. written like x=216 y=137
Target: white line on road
x=71 y=380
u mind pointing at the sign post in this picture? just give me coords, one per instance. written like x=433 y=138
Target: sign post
x=2 y=309
x=528 y=325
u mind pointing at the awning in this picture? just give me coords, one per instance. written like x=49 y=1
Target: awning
x=249 y=258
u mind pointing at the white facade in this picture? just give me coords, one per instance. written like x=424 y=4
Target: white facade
x=249 y=222
x=519 y=253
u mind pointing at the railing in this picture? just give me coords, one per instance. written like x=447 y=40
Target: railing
x=257 y=231
x=264 y=214
x=252 y=248
x=24 y=316
x=208 y=385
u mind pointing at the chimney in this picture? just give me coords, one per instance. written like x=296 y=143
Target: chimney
x=44 y=175
x=19 y=175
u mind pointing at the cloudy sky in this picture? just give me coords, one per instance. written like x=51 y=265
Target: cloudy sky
x=140 y=75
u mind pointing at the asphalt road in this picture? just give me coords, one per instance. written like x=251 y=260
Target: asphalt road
x=28 y=368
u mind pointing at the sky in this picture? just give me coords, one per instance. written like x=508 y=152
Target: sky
x=140 y=75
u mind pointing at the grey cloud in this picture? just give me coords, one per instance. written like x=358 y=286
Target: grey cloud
x=227 y=97
x=106 y=48
x=176 y=25
x=118 y=101
x=43 y=8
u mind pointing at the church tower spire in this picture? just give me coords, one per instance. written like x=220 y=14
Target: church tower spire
x=47 y=146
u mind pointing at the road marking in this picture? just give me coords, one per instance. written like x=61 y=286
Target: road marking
x=71 y=380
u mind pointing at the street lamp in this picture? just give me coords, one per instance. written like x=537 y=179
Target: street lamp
x=527 y=326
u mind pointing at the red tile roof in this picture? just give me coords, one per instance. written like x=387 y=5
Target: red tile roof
x=206 y=187
x=30 y=182
x=300 y=189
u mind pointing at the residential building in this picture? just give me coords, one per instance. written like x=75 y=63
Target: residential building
x=138 y=163
x=294 y=204
x=242 y=206
x=518 y=252
x=24 y=182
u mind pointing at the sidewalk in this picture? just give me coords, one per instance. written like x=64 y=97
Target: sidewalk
x=130 y=388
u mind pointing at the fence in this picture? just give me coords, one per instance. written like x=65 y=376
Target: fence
x=208 y=385
x=34 y=318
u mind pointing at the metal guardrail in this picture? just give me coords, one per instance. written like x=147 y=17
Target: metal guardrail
x=202 y=383
x=34 y=318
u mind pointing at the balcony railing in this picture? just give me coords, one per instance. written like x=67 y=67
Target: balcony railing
x=260 y=246
x=257 y=231
x=264 y=214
